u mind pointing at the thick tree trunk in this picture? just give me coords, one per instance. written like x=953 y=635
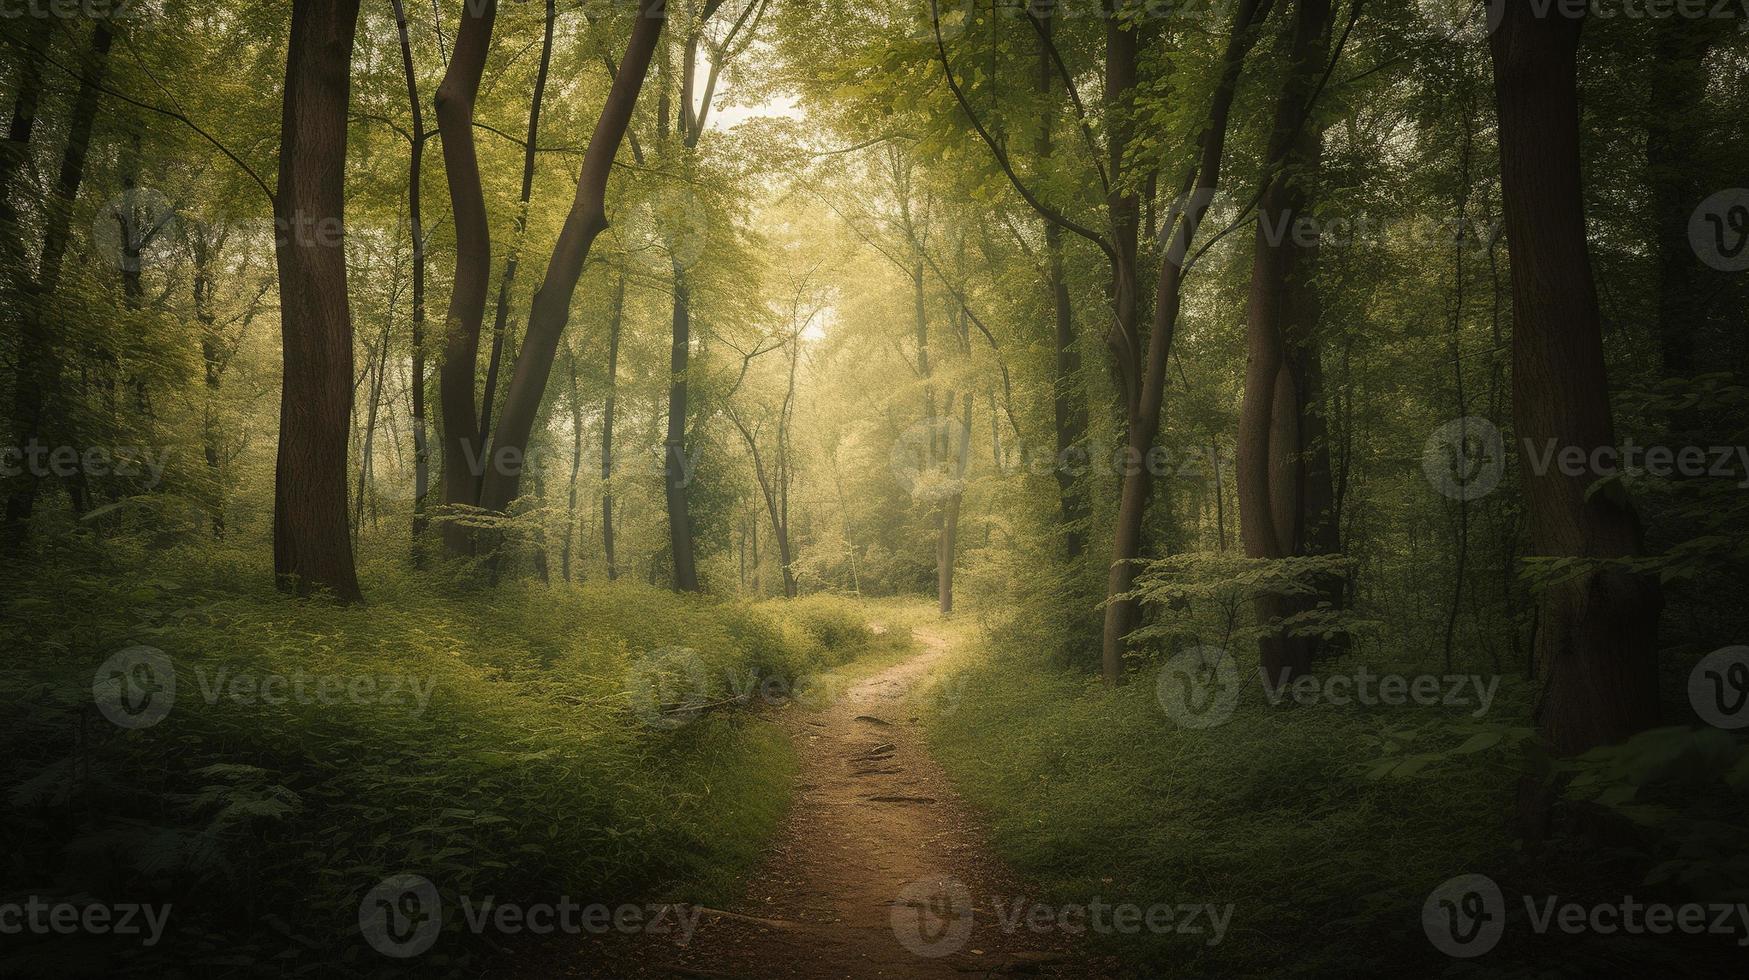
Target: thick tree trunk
x=312 y=551
x=587 y=219
x=464 y=454
x=508 y=279
x=39 y=364
x=1282 y=451
x=1596 y=647
x=1144 y=416
x=415 y=217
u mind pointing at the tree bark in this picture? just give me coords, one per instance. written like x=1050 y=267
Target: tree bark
x=39 y=364
x=312 y=551
x=587 y=219
x=1068 y=403
x=613 y=329
x=415 y=174
x=1280 y=420
x=1675 y=141
x=1144 y=415
x=1596 y=648
x=508 y=279
x=948 y=541
x=464 y=459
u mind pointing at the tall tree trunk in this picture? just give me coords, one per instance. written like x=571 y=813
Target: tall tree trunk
x=674 y=475
x=1675 y=141
x=1144 y=413
x=39 y=364
x=1596 y=648
x=312 y=551
x=508 y=279
x=1068 y=403
x=1281 y=423
x=613 y=328
x=948 y=541
x=576 y=467
x=211 y=351
x=415 y=174
x=464 y=460
x=586 y=220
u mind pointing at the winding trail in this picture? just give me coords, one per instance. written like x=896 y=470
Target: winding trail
x=879 y=871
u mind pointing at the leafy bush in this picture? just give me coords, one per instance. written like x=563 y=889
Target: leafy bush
x=496 y=743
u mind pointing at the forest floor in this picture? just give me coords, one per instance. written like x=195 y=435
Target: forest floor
x=880 y=870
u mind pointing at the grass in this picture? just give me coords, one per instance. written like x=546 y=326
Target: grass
x=520 y=742
x=1325 y=828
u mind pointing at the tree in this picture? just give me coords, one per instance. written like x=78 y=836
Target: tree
x=1285 y=493
x=312 y=549
x=1596 y=645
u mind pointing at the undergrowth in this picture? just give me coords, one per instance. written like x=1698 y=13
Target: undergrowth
x=1326 y=827
x=513 y=742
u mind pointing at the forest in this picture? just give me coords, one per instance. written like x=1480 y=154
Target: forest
x=914 y=488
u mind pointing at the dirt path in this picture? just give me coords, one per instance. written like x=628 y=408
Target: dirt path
x=880 y=871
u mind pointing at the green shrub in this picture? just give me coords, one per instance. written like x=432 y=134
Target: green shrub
x=516 y=756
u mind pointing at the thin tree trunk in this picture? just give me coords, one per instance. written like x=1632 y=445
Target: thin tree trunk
x=1144 y=413
x=576 y=467
x=948 y=542
x=586 y=220
x=312 y=551
x=517 y=242
x=415 y=173
x=39 y=364
x=613 y=328
x=1596 y=647
x=464 y=461
x=674 y=475
x=1068 y=403
x=1674 y=141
